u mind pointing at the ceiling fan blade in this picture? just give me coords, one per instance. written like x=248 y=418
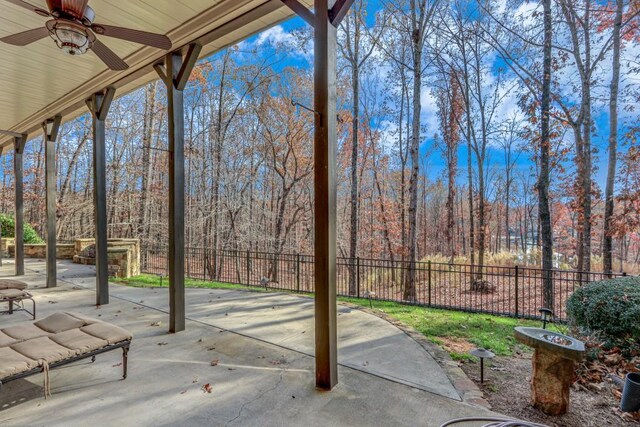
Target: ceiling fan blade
x=107 y=56
x=143 y=37
x=74 y=8
x=26 y=37
x=23 y=4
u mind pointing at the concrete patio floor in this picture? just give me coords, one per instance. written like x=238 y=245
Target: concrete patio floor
x=263 y=343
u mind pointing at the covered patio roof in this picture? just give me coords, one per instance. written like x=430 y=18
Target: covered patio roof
x=39 y=81
x=42 y=86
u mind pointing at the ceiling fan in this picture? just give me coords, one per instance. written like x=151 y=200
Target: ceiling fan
x=73 y=30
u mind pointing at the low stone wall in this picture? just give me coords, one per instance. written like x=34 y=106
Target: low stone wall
x=39 y=250
x=5 y=242
x=123 y=254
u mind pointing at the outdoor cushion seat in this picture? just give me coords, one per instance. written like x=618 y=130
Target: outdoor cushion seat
x=12 y=284
x=43 y=348
x=78 y=341
x=111 y=333
x=12 y=293
x=12 y=362
x=59 y=322
x=6 y=340
x=56 y=340
x=25 y=332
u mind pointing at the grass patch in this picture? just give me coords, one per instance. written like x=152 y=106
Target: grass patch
x=456 y=331
x=153 y=281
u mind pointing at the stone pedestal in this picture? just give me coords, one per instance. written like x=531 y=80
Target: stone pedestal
x=550 y=381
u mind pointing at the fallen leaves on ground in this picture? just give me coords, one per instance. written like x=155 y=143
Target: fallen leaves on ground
x=606 y=363
x=206 y=388
x=155 y=324
x=628 y=416
x=215 y=362
x=163 y=343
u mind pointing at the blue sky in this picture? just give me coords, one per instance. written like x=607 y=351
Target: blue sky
x=434 y=161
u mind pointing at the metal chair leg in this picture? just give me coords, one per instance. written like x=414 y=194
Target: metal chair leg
x=125 y=357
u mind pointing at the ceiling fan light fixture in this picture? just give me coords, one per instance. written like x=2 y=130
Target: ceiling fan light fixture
x=70 y=37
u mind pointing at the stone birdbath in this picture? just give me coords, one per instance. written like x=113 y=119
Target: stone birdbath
x=553 y=363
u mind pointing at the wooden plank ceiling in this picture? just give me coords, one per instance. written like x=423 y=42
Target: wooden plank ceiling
x=39 y=80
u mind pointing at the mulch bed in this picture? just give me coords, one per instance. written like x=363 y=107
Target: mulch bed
x=594 y=400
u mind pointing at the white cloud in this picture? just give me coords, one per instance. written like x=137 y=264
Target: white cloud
x=275 y=36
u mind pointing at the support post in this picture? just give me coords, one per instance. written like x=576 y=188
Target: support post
x=175 y=74
x=99 y=105
x=19 y=143
x=51 y=127
x=324 y=185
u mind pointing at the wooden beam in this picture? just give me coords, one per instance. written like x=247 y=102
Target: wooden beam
x=189 y=62
x=324 y=185
x=300 y=10
x=50 y=128
x=99 y=105
x=162 y=73
x=19 y=143
x=105 y=102
x=339 y=11
x=10 y=133
x=177 y=74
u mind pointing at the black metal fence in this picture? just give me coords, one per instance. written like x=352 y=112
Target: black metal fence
x=508 y=291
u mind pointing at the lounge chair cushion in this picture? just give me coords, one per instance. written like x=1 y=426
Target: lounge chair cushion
x=12 y=362
x=59 y=322
x=6 y=340
x=25 y=332
x=43 y=349
x=12 y=284
x=78 y=341
x=111 y=333
x=6 y=294
x=25 y=347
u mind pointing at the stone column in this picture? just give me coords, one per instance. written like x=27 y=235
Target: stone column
x=550 y=381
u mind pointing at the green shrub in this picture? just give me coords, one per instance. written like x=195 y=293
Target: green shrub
x=609 y=307
x=8 y=230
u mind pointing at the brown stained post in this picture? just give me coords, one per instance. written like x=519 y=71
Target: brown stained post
x=324 y=184
x=99 y=105
x=19 y=143
x=50 y=127
x=175 y=74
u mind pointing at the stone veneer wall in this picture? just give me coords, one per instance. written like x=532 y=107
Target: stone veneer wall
x=39 y=250
x=123 y=254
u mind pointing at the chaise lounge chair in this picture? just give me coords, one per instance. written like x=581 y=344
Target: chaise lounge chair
x=54 y=341
x=15 y=292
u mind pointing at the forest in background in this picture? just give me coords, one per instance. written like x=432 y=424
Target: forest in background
x=442 y=148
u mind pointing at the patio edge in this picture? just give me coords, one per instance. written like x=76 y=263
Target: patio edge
x=468 y=390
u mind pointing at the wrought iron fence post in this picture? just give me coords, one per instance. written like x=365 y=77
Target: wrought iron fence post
x=248 y=268
x=298 y=272
x=516 y=268
x=429 y=281
x=358 y=277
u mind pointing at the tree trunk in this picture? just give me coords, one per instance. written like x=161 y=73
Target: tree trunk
x=353 y=235
x=410 y=285
x=545 y=147
x=607 y=244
